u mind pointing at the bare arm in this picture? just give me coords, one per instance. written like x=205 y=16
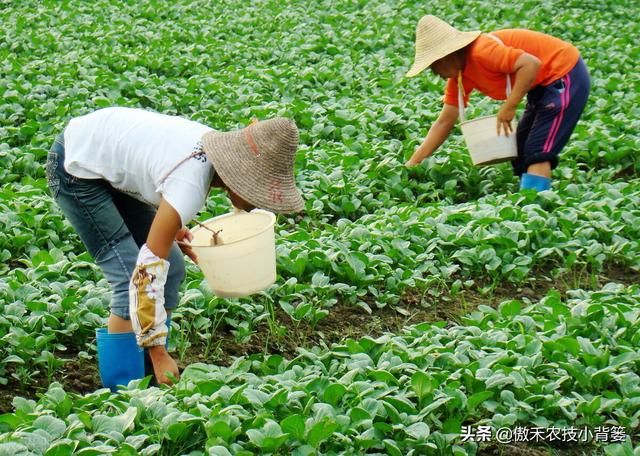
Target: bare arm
x=526 y=69
x=164 y=228
x=438 y=132
x=166 y=224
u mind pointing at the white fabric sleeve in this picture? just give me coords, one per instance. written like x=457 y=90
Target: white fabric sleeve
x=146 y=299
x=187 y=198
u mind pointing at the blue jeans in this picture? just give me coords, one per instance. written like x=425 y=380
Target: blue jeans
x=112 y=225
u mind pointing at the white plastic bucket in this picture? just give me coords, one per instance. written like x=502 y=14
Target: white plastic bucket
x=485 y=146
x=245 y=262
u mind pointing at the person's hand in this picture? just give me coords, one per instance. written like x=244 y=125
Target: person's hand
x=412 y=163
x=163 y=365
x=183 y=237
x=505 y=116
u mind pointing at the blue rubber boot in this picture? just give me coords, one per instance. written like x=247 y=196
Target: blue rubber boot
x=120 y=360
x=534 y=182
x=148 y=365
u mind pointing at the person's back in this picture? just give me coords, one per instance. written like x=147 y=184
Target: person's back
x=488 y=61
x=134 y=149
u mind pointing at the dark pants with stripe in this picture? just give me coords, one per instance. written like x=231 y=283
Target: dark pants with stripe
x=551 y=114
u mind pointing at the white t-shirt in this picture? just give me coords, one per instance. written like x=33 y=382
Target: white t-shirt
x=134 y=149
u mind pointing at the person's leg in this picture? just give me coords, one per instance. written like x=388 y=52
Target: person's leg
x=556 y=115
x=117 y=324
x=522 y=133
x=88 y=206
x=540 y=169
x=138 y=217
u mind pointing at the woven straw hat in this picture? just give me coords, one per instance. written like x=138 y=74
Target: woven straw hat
x=256 y=163
x=436 y=39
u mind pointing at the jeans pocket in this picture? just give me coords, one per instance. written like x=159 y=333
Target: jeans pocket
x=53 y=181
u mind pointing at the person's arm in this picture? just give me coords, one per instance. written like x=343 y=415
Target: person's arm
x=146 y=291
x=438 y=132
x=526 y=69
x=164 y=228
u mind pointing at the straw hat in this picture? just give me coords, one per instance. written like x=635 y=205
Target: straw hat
x=436 y=39
x=256 y=163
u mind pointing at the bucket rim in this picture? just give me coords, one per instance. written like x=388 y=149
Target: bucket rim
x=478 y=119
x=272 y=221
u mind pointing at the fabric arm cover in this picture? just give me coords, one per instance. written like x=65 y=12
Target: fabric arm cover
x=146 y=299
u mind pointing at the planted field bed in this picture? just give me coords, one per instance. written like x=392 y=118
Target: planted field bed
x=412 y=306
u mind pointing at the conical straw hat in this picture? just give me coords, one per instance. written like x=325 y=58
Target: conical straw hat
x=436 y=39
x=256 y=163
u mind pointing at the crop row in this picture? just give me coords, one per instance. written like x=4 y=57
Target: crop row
x=554 y=363
x=45 y=301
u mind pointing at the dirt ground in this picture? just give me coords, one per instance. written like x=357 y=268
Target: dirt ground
x=343 y=321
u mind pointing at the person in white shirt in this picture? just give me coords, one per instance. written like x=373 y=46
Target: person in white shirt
x=129 y=180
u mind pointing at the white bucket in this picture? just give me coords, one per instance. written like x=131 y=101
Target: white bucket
x=485 y=146
x=245 y=262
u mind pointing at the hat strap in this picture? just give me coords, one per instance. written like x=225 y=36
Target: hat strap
x=164 y=178
x=460 y=97
x=461 y=88
x=491 y=35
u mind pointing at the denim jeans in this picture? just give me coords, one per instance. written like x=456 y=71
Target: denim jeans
x=112 y=225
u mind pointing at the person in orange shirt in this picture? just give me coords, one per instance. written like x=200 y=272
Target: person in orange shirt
x=549 y=71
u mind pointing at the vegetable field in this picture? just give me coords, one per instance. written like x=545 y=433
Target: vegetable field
x=411 y=307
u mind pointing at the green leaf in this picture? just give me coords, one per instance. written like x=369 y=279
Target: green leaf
x=51 y=425
x=23 y=405
x=98 y=450
x=256 y=397
x=304 y=450
x=12 y=449
x=421 y=384
x=10 y=421
x=587 y=347
x=269 y=438
x=219 y=451
x=624 y=358
x=220 y=428
x=13 y=359
x=392 y=448
x=61 y=449
x=401 y=404
x=358 y=414
x=321 y=431
x=334 y=393
x=570 y=344
x=294 y=425
x=478 y=398
x=177 y=431
x=510 y=308
x=419 y=431
x=383 y=376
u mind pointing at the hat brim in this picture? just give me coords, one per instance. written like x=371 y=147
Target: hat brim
x=426 y=59
x=241 y=172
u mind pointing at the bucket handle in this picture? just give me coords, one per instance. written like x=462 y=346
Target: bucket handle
x=460 y=87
